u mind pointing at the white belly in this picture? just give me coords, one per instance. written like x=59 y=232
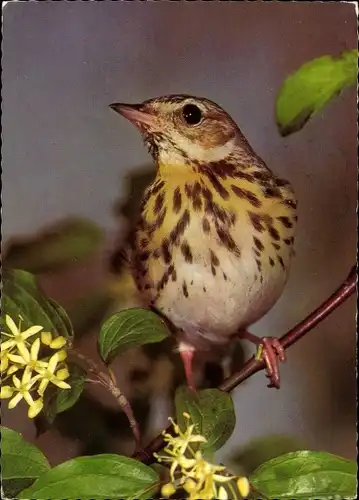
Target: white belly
x=217 y=306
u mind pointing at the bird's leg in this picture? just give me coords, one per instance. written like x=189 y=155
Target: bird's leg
x=270 y=350
x=187 y=354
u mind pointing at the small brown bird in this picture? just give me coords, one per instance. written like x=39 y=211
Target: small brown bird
x=212 y=248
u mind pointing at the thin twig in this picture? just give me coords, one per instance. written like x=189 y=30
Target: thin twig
x=109 y=382
x=253 y=365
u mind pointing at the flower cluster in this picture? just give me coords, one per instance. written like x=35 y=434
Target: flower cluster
x=189 y=469
x=28 y=376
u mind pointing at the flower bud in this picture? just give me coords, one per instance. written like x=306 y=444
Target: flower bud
x=243 y=486
x=46 y=338
x=58 y=342
x=167 y=490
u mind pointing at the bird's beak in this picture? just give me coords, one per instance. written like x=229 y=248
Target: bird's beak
x=135 y=114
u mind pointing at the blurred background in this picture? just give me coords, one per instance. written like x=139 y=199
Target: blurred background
x=65 y=153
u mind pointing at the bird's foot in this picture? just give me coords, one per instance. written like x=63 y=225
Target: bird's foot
x=271 y=351
x=187 y=354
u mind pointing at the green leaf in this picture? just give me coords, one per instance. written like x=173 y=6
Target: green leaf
x=65 y=399
x=21 y=462
x=62 y=314
x=211 y=411
x=260 y=450
x=311 y=87
x=98 y=477
x=130 y=328
x=309 y=475
x=63 y=244
x=22 y=296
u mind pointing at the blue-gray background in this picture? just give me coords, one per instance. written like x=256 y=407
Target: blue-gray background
x=65 y=152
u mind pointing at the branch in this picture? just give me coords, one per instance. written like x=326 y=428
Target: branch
x=253 y=366
x=108 y=381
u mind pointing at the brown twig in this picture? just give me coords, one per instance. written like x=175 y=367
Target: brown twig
x=253 y=366
x=109 y=382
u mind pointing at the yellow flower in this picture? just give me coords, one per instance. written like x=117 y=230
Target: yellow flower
x=17 y=353
x=17 y=338
x=6 y=392
x=243 y=486
x=35 y=409
x=22 y=389
x=177 y=447
x=167 y=490
x=56 y=343
x=4 y=361
x=198 y=477
x=62 y=355
x=222 y=493
x=46 y=338
x=48 y=375
x=27 y=358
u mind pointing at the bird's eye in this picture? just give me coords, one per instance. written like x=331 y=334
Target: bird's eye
x=191 y=114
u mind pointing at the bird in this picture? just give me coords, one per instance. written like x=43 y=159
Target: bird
x=212 y=248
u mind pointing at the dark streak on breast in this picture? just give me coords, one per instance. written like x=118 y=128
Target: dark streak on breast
x=163 y=281
x=273 y=233
x=179 y=228
x=285 y=221
x=222 y=169
x=159 y=203
x=196 y=197
x=280 y=260
x=207 y=193
x=216 y=170
x=186 y=252
x=259 y=265
x=185 y=289
x=263 y=175
x=257 y=221
x=214 y=258
x=258 y=243
x=228 y=241
x=272 y=192
x=213 y=209
x=243 y=175
x=247 y=195
x=166 y=252
x=156 y=187
x=177 y=200
x=151 y=228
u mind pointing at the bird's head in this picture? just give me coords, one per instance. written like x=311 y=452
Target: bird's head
x=182 y=129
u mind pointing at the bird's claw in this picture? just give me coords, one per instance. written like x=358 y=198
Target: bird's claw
x=271 y=350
